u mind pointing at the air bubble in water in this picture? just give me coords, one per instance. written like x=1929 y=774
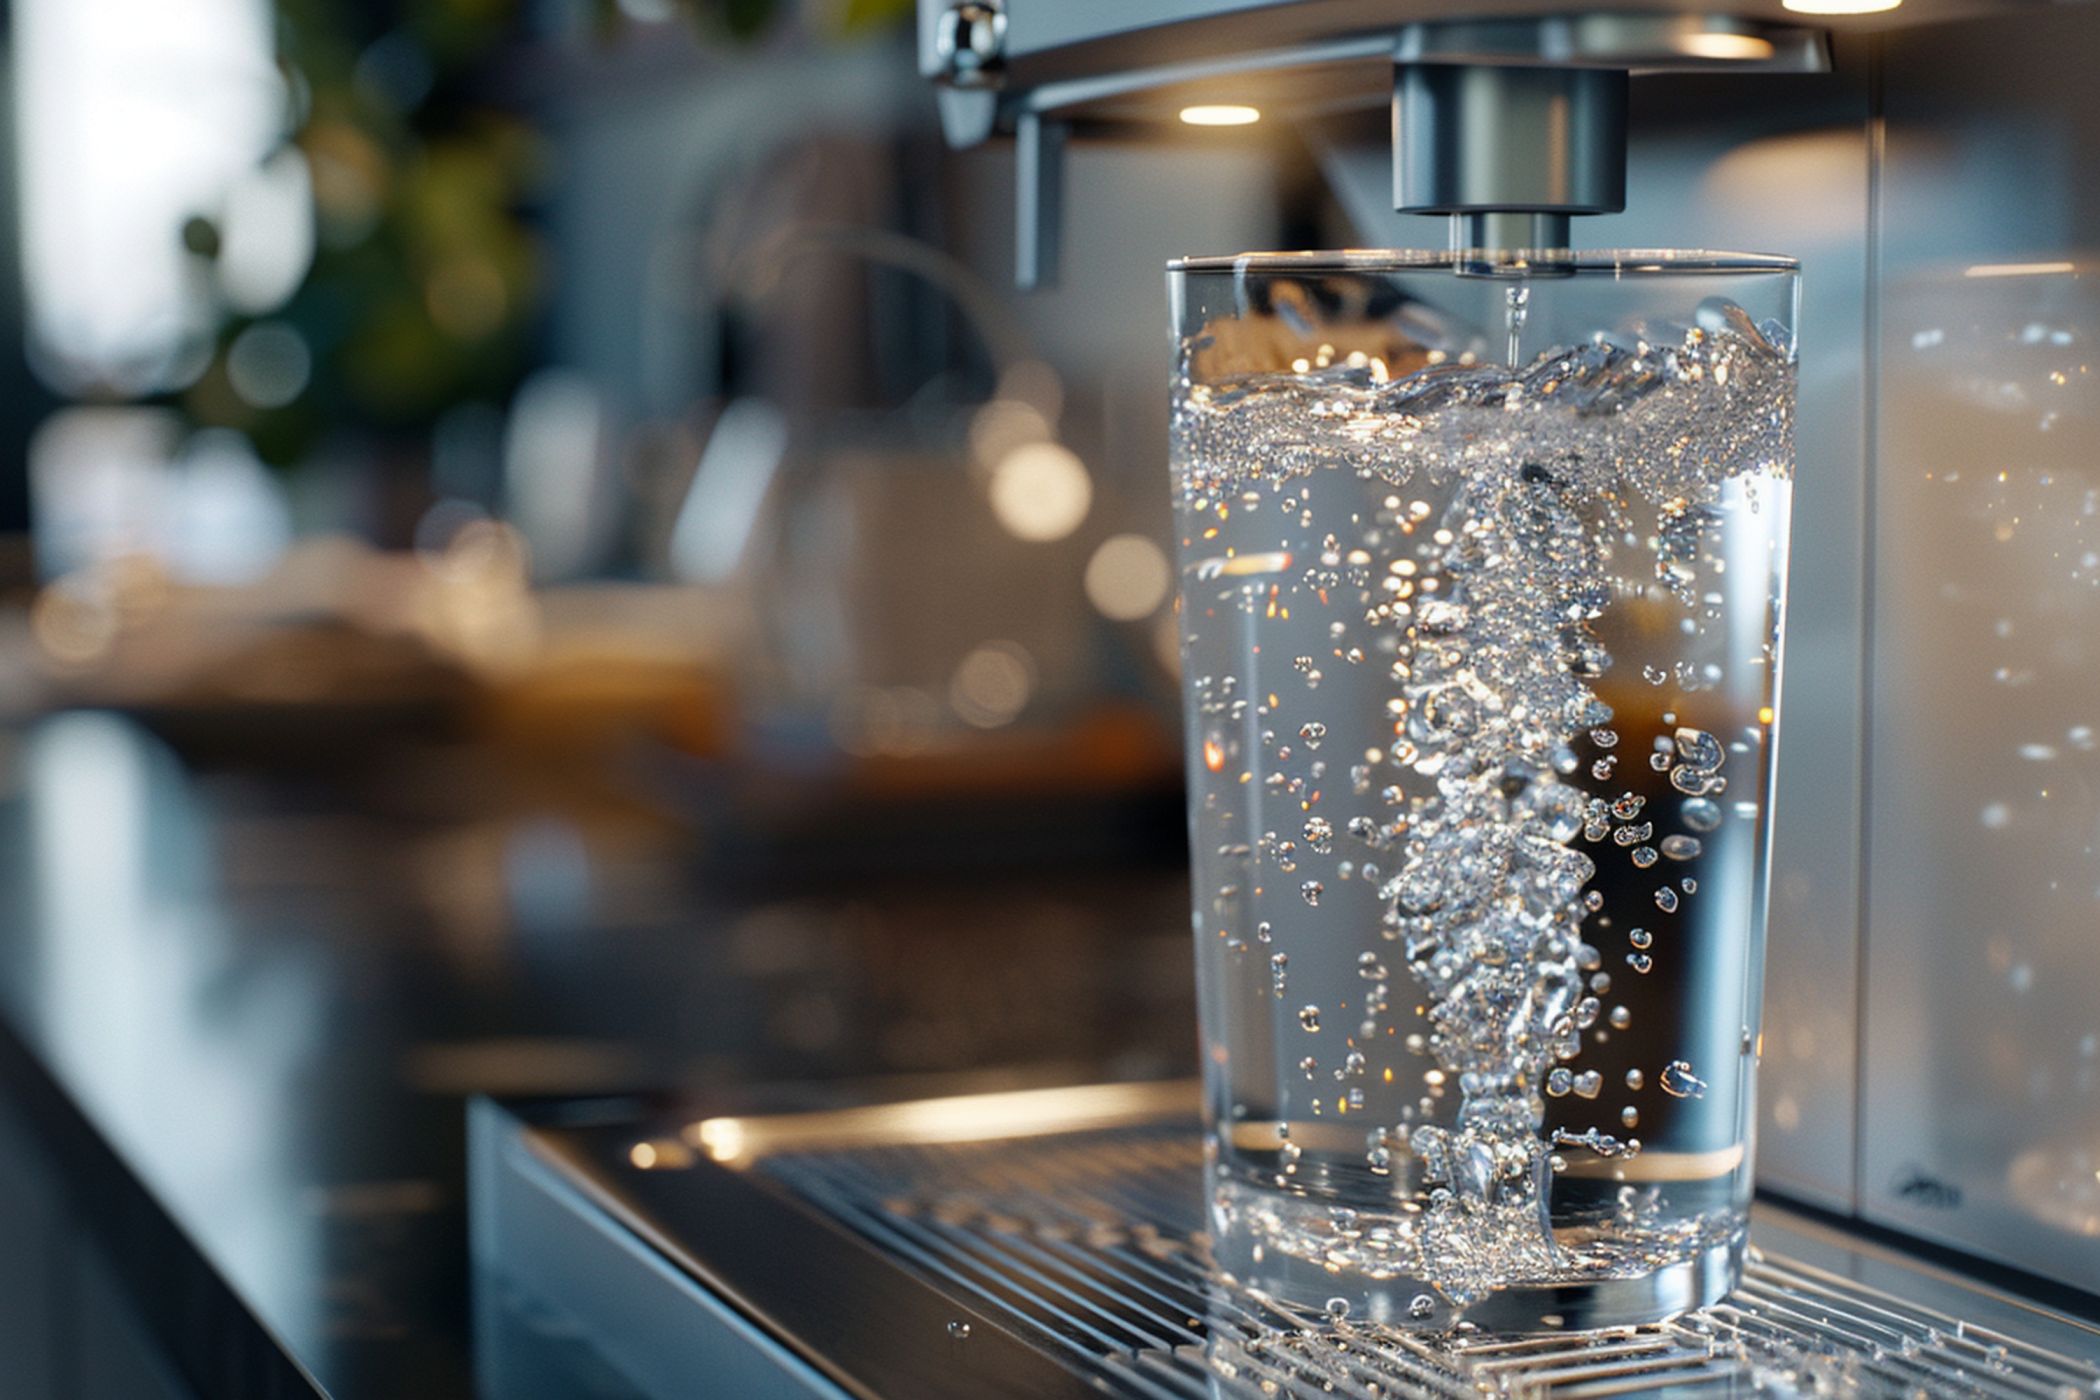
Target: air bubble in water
x=1678 y=1081
x=1666 y=900
x=1640 y=937
x=1312 y=732
x=1310 y=1065
x=1620 y=1018
x=1699 y=749
x=1421 y=1306
x=1309 y=1017
x=1702 y=815
x=1370 y=968
x=1604 y=738
x=1312 y=890
x=1678 y=847
x=1694 y=782
x=1319 y=834
x=1589 y=1084
x=959 y=1330
x=1559 y=1081
x=1644 y=857
x=1639 y=962
x=1634 y=1079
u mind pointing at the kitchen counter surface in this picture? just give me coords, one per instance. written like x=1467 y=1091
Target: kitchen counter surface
x=241 y=1010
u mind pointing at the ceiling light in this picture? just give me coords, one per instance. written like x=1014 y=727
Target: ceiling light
x=1221 y=114
x=1840 y=7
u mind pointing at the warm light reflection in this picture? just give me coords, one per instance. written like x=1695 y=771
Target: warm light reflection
x=2030 y=269
x=1840 y=7
x=660 y=1154
x=962 y=1118
x=1220 y=114
x=1740 y=47
x=992 y=685
x=1128 y=577
x=1040 y=491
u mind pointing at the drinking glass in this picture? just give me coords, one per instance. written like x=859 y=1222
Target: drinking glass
x=1481 y=567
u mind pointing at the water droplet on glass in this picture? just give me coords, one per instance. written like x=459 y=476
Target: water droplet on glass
x=1678 y=1081
x=960 y=1331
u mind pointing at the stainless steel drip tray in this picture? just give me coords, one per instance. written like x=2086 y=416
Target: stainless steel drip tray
x=1044 y=1243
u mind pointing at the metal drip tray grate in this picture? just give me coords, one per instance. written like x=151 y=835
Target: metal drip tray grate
x=1088 y=1244
x=1047 y=1245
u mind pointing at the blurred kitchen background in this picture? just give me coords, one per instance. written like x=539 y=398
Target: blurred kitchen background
x=542 y=552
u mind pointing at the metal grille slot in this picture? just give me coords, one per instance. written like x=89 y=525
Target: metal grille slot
x=1089 y=1244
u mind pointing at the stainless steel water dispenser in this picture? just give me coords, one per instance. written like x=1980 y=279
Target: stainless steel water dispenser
x=1933 y=1000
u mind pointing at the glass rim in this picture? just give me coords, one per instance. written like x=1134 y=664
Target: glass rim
x=1619 y=262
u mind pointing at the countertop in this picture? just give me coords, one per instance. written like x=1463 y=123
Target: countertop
x=244 y=1007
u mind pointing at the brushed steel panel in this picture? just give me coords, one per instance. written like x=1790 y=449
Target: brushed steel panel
x=1981 y=1121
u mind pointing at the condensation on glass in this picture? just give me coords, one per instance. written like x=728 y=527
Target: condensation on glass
x=1481 y=568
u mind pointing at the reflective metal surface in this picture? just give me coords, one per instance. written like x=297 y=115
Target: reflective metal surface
x=1064 y=1262
x=1982 y=982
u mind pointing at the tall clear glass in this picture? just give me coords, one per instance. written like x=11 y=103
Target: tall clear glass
x=1481 y=570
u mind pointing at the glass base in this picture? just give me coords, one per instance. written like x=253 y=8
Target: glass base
x=1288 y=1248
